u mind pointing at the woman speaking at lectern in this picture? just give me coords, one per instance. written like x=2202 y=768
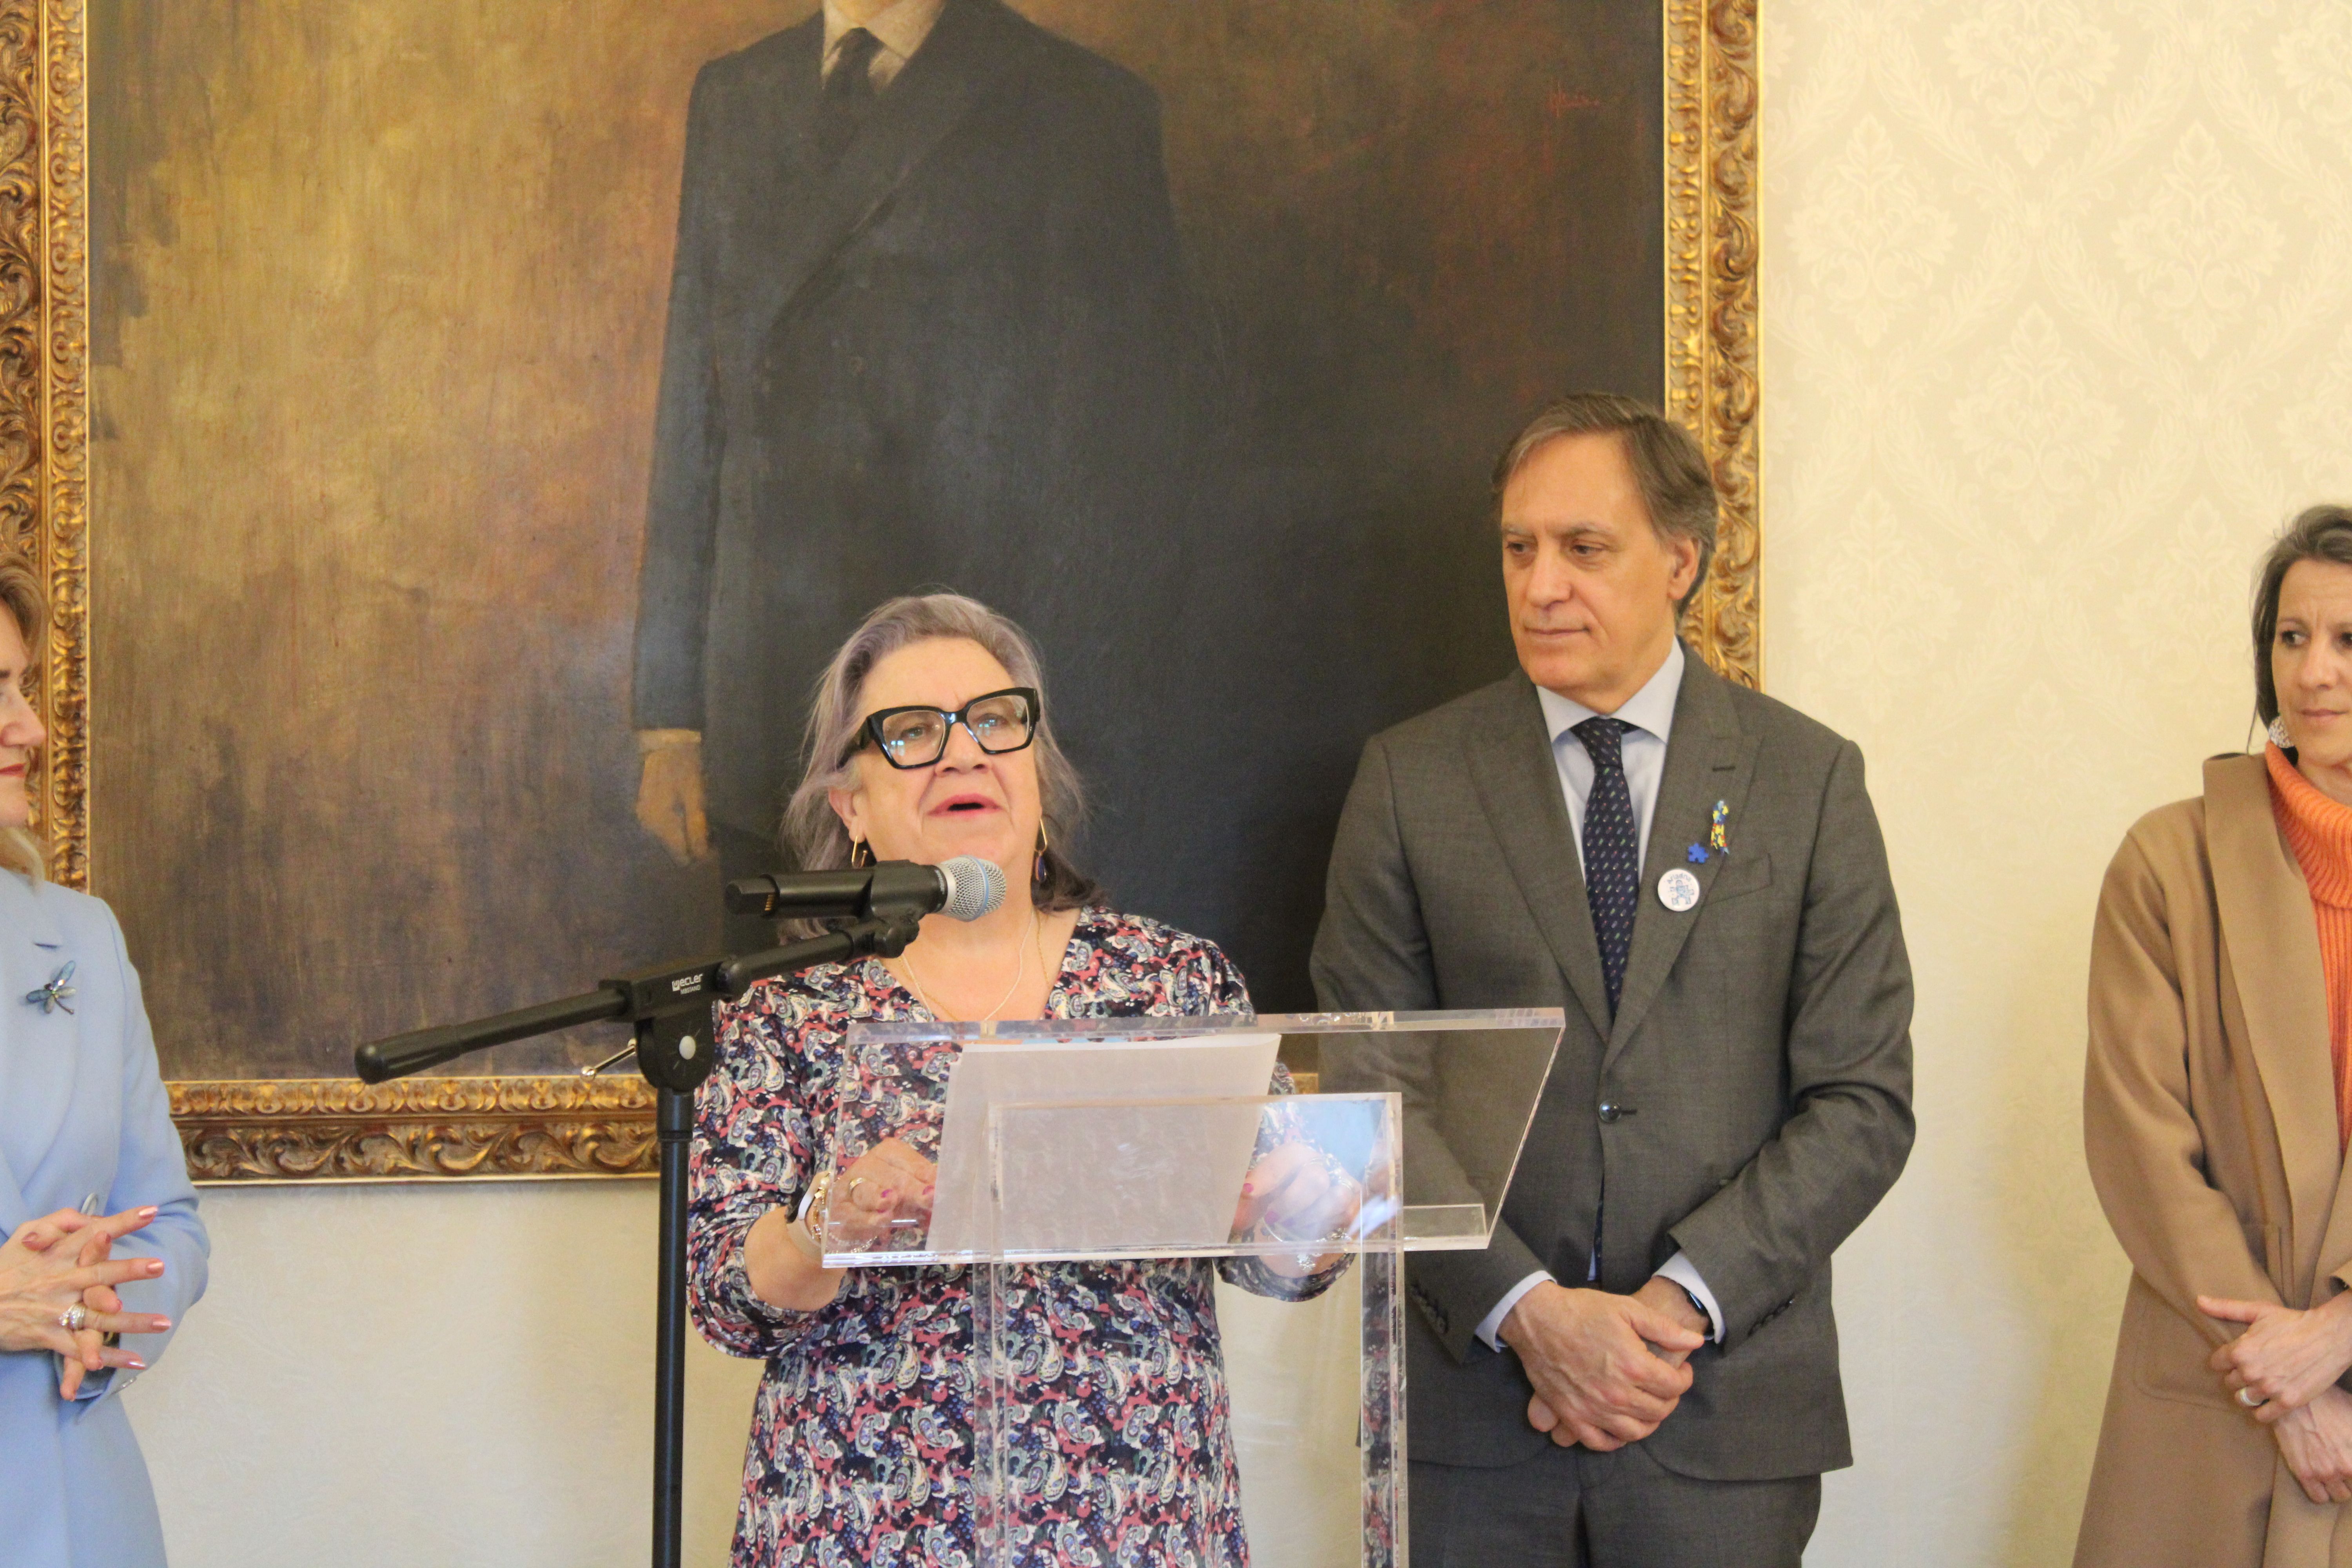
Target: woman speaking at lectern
x=927 y=740
x=94 y=1194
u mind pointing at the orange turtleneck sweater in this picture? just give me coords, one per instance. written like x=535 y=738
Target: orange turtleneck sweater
x=2319 y=830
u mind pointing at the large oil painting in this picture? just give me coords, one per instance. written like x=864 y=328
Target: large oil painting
x=460 y=434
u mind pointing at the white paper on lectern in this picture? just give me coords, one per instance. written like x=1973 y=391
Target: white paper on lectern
x=1017 y=1071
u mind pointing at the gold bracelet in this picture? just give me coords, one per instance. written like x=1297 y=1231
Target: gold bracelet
x=811 y=1220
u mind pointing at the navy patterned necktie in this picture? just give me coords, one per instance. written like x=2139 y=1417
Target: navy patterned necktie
x=1613 y=851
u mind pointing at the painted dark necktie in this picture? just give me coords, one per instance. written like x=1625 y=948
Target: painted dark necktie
x=848 y=92
x=1612 y=850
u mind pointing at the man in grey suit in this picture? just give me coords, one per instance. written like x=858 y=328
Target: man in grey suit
x=1642 y=1369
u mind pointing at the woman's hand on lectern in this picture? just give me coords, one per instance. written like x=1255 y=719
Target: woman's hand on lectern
x=887 y=1185
x=783 y=1255
x=1299 y=1193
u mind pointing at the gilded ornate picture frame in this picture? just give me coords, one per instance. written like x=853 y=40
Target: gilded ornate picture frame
x=313 y=1129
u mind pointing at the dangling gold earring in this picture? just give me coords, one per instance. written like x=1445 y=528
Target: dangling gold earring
x=1043 y=846
x=857 y=850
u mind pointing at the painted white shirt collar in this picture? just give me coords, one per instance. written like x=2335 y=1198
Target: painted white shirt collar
x=900 y=27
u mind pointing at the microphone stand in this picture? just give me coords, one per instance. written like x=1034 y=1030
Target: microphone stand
x=676 y=1049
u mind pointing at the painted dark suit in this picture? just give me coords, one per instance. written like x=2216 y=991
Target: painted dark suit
x=953 y=356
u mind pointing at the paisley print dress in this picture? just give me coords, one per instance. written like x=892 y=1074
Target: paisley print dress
x=861 y=1448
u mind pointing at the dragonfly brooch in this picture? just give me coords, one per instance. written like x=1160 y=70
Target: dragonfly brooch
x=56 y=992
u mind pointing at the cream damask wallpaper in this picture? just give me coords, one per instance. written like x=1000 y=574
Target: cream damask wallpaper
x=2058 y=328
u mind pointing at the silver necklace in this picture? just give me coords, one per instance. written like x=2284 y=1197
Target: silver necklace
x=1020 y=972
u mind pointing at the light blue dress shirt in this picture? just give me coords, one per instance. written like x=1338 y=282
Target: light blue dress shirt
x=1651 y=713
x=83 y=1111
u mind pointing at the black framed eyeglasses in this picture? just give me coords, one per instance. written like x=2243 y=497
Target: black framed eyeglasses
x=997 y=721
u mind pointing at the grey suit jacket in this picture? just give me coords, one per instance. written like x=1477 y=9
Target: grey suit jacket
x=1758 y=1073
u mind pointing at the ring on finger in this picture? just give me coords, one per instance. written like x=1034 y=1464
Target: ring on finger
x=854 y=1183
x=2251 y=1400
x=74 y=1318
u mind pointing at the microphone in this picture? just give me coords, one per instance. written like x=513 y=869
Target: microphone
x=964 y=889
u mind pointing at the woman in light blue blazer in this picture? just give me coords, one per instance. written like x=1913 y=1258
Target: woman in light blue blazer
x=85 y=1129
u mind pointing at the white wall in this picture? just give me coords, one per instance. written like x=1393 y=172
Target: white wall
x=2058 y=323
x=2056 y=311
x=463 y=1375
x=452 y=1374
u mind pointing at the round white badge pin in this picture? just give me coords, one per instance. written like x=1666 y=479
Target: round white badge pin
x=1678 y=890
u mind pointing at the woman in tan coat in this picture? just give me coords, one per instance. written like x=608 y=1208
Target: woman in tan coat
x=2216 y=1106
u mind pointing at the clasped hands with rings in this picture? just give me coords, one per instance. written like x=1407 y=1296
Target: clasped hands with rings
x=2284 y=1369
x=58 y=1276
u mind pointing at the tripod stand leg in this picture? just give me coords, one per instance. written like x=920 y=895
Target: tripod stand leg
x=674 y=1122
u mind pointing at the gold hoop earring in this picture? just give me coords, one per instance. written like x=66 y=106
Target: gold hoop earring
x=860 y=848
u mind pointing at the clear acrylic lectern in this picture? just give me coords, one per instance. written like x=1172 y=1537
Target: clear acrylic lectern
x=1126 y=1139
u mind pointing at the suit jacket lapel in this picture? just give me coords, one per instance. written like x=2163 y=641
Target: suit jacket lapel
x=1708 y=759
x=949 y=76
x=2271 y=941
x=1518 y=788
